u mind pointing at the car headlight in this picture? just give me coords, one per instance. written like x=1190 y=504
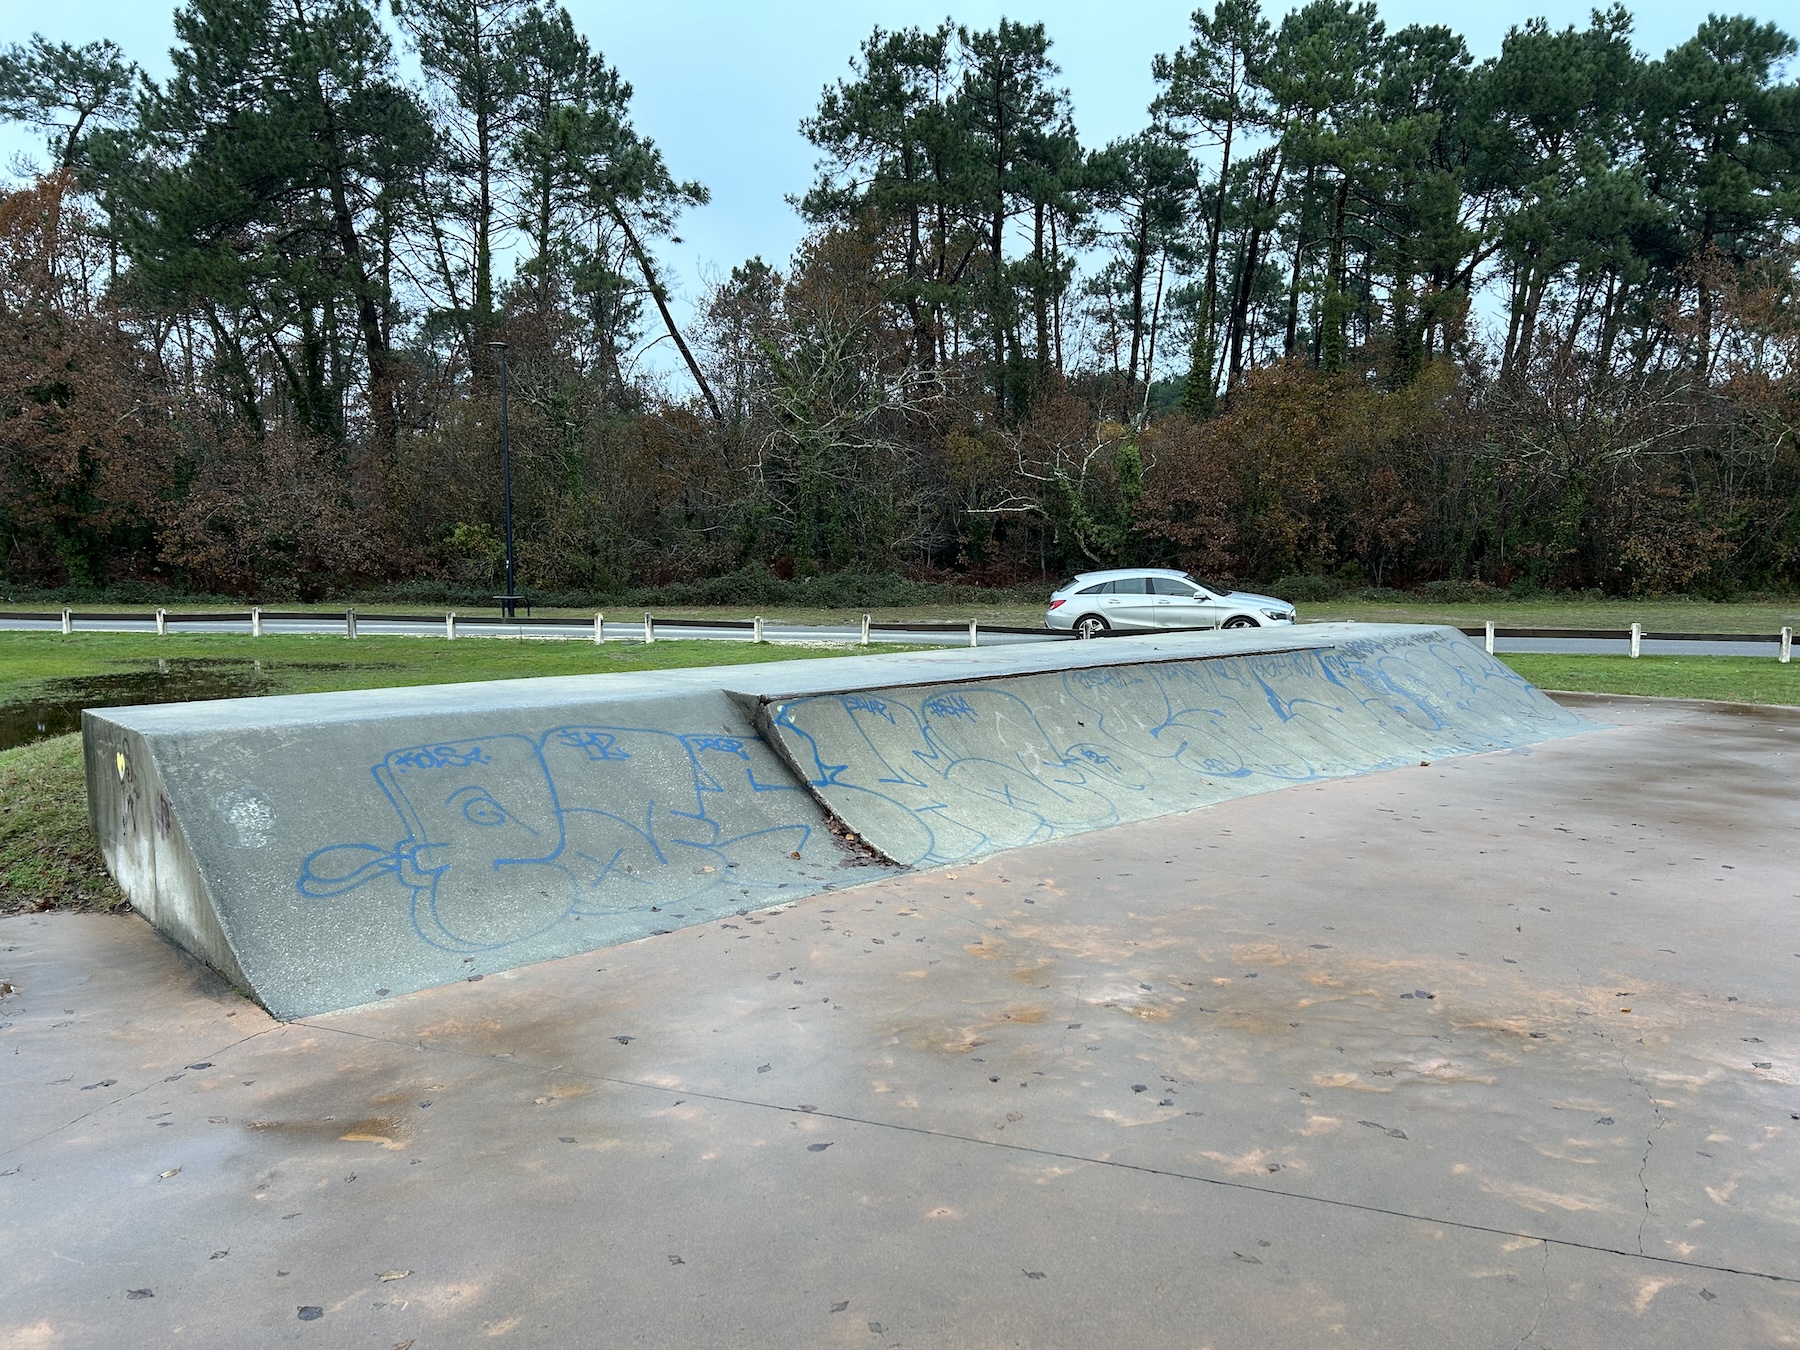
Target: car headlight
x=1279 y=615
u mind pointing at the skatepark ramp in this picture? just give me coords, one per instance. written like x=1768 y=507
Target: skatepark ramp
x=327 y=850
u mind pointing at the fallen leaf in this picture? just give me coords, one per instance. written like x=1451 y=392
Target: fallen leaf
x=817 y=1148
x=1034 y=1274
x=171 y=1172
x=839 y=1307
x=140 y=1293
x=310 y=1312
x=387 y=1275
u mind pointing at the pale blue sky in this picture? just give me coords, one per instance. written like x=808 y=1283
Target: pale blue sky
x=721 y=86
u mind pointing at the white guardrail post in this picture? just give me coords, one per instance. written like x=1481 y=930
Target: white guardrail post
x=1637 y=640
x=649 y=628
x=974 y=637
x=350 y=623
x=450 y=626
x=1490 y=637
x=256 y=621
x=865 y=630
x=1787 y=646
x=600 y=627
x=756 y=629
x=68 y=622
x=162 y=623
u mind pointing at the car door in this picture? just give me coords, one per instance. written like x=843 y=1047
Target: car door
x=1178 y=605
x=1209 y=608
x=1132 y=604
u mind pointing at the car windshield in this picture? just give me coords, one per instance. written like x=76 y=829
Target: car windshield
x=1207 y=585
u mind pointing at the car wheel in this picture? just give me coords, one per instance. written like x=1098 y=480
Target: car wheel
x=1090 y=626
x=1239 y=621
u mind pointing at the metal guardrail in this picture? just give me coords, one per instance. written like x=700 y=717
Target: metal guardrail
x=452 y=622
x=1619 y=635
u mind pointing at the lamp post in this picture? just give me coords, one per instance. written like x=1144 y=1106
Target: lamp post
x=507 y=601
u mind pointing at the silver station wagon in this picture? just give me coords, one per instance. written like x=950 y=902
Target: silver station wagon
x=1135 y=599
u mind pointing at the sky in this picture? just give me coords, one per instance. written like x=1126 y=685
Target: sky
x=721 y=85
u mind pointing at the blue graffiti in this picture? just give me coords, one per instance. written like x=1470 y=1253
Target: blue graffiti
x=506 y=836
x=947 y=774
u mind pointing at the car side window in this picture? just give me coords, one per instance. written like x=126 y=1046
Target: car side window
x=1104 y=588
x=1170 y=586
x=1132 y=586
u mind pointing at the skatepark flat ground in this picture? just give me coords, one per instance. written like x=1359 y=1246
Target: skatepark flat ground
x=1500 y=1051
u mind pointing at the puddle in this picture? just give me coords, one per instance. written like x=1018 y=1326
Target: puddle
x=58 y=704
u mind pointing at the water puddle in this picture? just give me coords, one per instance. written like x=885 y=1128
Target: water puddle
x=57 y=706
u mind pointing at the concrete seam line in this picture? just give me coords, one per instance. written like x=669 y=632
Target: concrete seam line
x=1143 y=1168
x=127 y=1096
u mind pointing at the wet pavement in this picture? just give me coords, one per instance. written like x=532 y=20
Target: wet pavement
x=1502 y=1051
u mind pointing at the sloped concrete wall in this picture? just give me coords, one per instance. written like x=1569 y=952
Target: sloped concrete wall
x=345 y=847
x=936 y=774
x=326 y=850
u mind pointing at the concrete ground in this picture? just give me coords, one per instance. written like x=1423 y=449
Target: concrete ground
x=1500 y=1051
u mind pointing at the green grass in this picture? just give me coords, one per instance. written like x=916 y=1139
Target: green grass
x=292 y=664
x=1728 y=679
x=47 y=857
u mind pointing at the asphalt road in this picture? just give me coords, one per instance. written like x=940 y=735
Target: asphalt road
x=629 y=630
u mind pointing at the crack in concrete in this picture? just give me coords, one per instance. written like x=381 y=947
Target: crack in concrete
x=1142 y=1169
x=1649 y=1138
x=1543 y=1303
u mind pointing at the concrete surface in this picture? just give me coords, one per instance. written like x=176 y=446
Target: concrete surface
x=1499 y=1052
x=324 y=850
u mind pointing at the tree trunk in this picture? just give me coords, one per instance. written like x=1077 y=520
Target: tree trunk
x=662 y=307
x=382 y=411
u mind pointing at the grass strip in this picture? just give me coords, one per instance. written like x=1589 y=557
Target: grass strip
x=48 y=859
x=319 y=663
x=1727 y=679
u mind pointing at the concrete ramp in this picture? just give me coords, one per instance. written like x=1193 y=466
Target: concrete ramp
x=932 y=774
x=327 y=850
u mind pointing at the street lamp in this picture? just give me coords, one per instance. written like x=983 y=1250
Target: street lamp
x=510 y=599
